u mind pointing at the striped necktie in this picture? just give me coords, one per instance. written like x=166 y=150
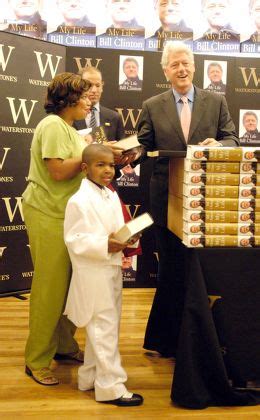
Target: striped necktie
x=93 y=121
x=185 y=117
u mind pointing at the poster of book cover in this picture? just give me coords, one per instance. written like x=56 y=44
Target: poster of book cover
x=172 y=23
x=73 y=25
x=250 y=35
x=23 y=18
x=130 y=73
x=130 y=177
x=129 y=268
x=249 y=127
x=215 y=76
x=122 y=28
x=219 y=32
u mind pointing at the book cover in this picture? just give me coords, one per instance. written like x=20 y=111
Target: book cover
x=197 y=241
x=210 y=191
x=215 y=167
x=223 y=204
x=202 y=228
x=94 y=135
x=133 y=227
x=233 y=154
x=216 y=179
x=249 y=192
x=217 y=216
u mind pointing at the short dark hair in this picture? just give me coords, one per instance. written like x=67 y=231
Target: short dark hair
x=92 y=151
x=64 y=90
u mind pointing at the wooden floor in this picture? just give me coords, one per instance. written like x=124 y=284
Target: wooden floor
x=149 y=375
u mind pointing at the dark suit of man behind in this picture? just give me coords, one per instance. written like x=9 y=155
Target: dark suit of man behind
x=160 y=128
x=110 y=120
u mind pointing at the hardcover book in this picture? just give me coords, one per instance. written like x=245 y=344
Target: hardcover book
x=249 y=229
x=210 y=191
x=233 y=154
x=223 y=204
x=221 y=216
x=197 y=241
x=133 y=227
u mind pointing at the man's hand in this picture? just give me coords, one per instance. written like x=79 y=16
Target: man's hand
x=210 y=142
x=114 y=245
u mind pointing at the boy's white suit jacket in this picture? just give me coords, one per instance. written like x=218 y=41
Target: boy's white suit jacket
x=92 y=214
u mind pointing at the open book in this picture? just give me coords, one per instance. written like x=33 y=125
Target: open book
x=128 y=143
x=133 y=227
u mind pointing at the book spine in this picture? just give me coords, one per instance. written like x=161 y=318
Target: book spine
x=216 y=154
x=221 y=229
x=214 y=167
x=195 y=241
x=209 y=191
x=223 y=204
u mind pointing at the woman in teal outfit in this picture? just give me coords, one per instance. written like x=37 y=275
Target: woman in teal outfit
x=54 y=175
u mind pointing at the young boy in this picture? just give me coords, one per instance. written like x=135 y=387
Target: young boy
x=92 y=215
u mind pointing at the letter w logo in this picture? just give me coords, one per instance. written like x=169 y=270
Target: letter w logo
x=252 y=75
x=3 y=60
x=6 y=150
x=48 y=63
x=22 y=108
x=88 y=62
x=18 y=206
x=130 y=115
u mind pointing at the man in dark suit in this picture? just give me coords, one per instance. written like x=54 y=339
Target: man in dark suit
x=162 y=126
x=107 y=118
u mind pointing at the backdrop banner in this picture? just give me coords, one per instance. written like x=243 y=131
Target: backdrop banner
x=26 y=67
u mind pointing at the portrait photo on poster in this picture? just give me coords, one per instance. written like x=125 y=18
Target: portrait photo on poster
x=249 y=127
x=129 y=176
x=129 y=268
x=215 y=76
x=23 y=18
x=130 y=73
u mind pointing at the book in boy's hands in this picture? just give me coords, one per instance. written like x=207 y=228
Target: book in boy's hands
x=128 y=143
x=133 y=227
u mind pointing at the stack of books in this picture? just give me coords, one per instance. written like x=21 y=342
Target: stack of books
x=214 y=197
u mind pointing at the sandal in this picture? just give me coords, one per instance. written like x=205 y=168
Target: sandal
x=43 y=376
x=77 y=356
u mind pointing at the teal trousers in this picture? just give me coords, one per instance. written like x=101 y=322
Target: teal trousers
x=50 y=332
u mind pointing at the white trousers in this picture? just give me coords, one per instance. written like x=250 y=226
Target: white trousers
x=102 y=368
